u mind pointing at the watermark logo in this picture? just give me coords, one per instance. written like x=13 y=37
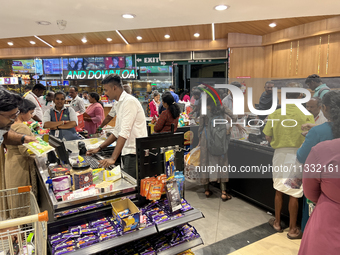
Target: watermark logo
x=238 y=99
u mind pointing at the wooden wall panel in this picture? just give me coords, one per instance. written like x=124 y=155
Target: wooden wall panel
x=243 y=40
x=316 y=28
x=334 y=53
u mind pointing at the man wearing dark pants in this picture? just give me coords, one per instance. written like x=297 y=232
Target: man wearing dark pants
x=130 y=124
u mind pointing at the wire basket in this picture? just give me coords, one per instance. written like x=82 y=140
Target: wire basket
x=23 y=229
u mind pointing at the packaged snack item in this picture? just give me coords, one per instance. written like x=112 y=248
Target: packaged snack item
x=169 y=162
x=107 y=236
x=106 y=231
x=98 y=222
x=83 y=244
x=40 y=147
x=105 y=187
x=124 y=212
x=81 y=178
x=55 y=171
x=173 y=195
x=180 y=182
x=64 y=245
x=75 y=230
x=86 y=238
x=88 y=231
x=66 y=250
x=59 y=240
x=112 y=175
x=155 y=191
x=61 y=183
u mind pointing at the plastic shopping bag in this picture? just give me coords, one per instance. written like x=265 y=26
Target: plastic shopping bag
x=192 y=159
x=81 y=123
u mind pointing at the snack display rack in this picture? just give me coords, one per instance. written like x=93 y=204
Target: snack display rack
x=84 y=209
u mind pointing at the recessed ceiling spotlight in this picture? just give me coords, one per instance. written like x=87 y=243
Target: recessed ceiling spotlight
x=139 y=38
x=58 y=41
x=197 y=35
x=272 y=24
x=109 y=39
x=32 y=42
x=128 y=16
x=221 y=7
x=10 y=43
x=167 y=36
x=43 y=23
x=84 y=40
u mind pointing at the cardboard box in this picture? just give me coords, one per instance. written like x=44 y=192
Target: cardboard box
x=130 y=221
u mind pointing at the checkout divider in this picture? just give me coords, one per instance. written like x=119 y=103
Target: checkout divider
x=75 y=212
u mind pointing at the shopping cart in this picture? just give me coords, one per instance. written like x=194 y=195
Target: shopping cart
x=23 y=229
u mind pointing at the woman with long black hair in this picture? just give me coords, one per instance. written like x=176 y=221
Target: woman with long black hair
x=169 y=116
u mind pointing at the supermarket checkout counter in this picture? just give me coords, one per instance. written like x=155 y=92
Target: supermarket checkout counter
x=85 y=209
x=256 y=187
x=83 y=202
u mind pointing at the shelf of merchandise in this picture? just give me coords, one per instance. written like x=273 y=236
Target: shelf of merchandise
x=189 y=216
x=182 y=247
x=117 y=241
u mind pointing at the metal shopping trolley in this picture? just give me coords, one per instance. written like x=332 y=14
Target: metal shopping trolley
x=23 y=229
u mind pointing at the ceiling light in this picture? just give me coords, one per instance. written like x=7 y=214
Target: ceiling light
x=197 y=35
x=121 y=36
x=58 y=41
x=272 y=24
x=10 y=43
x=32 y=42
x=128 y=16
x=213 y=31
x=221 y=7
x=167 y=36
x=139 y=38
x=84 y=40
x=43 y=23
x=43 y=41
x=109 y=39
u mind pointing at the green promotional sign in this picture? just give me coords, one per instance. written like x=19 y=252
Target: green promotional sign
x=151 y=60
x=154 y=69
x=125 y=74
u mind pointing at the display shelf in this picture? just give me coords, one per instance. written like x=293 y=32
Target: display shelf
x=182 y=247
x=189 y=216
x=117 y=241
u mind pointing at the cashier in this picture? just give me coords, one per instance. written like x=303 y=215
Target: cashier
x=61 y=120
x=130 y=124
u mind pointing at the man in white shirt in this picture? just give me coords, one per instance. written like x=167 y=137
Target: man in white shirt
x=314 y=107
x=86 y=97
x=77 y=103
x=112 y=112
x=37 y=91
x=130 y=124
x=47 y=101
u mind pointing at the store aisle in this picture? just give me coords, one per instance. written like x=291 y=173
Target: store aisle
x=224 y=220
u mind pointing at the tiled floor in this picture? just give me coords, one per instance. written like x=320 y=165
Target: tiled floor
x=229 y=226
x=276 y=244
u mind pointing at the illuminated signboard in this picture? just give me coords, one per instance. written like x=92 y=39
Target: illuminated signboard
x=9 y=80
x=125 y=74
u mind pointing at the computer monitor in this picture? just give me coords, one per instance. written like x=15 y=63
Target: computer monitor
x=60 y=149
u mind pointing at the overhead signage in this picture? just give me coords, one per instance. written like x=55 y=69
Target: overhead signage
x=125 y=74
x=151 y=60
x=201 y=61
